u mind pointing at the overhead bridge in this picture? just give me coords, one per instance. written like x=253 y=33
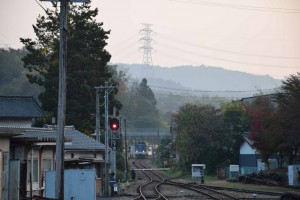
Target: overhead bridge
x=146 y=135
x=153 y=169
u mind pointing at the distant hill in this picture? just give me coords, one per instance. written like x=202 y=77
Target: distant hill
x=213 y=81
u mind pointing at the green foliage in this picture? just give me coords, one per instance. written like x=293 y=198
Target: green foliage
x=208 y=135
x=146 y=92
x=140 y=107
x=13 y=80
x=196 y=127
x=235 y=122
x=86 y=64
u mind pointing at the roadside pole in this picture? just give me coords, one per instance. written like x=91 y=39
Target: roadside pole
x=61 y=110
x=107 y=89
x=125 y=145
x=62 y=93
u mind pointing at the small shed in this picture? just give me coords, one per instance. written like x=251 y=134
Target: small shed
x=198 y=170
x=234 y=171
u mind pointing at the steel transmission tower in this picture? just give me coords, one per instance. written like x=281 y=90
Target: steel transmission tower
x=146 y=48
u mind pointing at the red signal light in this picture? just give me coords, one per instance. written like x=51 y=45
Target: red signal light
x=114 y=124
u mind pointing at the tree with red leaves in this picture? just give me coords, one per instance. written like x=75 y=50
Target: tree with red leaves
x=289 y=106
x=265 y=129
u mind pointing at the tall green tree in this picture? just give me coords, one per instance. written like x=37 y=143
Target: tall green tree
x=235 y=123
x=212 y=135
x=198 y=128
x=289 y=107
x=140 y=108
x=86 y=63
x=146 y=92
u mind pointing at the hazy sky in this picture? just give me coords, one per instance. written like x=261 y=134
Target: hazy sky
x=255 y=36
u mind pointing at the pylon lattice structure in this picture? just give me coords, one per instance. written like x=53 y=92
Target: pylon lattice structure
x=146 y=40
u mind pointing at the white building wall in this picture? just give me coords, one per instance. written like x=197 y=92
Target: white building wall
x=246 y=149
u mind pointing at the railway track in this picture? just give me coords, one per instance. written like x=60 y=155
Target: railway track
x=205 y=192
x=153 y=185
x=150 y=189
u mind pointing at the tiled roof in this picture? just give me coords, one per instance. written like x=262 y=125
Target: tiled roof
x=20 y=106
x=79 y=141
x=248 y=140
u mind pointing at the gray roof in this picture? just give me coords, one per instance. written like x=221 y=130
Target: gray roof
x=79 y=141
x=248 y=140
x=20 y=106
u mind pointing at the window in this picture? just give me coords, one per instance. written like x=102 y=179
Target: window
x=32 y=170
x=47 y=163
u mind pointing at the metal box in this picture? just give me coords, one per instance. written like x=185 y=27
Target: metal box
x=78 y=184
x=198 y=170
x=294 y=175
x=234 y=171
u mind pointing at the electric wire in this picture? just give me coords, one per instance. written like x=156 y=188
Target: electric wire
x=41 y=6
x=206 y=91
x=209 y=91
x=170 y=38
x=125 y=41
x=241 y=7
x=127 y=54
x=227 y=60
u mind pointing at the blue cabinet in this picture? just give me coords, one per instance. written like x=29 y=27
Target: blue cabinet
x=78 y=184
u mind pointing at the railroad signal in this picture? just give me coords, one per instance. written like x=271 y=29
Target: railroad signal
x=114 y=124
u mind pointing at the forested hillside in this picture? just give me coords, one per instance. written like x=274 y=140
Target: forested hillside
x=13 y=80
x=172 y=87
x=212 y=81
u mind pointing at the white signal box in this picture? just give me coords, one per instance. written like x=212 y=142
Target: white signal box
x=234 y=171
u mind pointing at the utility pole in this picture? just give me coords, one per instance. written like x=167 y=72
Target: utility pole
x=158 y=143
x=97 y=116
x=61 y=110
x=62 y=93
x=125 y=145
x=107 y=89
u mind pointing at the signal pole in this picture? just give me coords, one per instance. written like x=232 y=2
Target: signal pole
x=125 y=147
x=107 y=89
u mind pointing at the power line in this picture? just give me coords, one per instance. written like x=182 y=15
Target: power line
x=147 y=54
x=228 y=60
x=228 y=51
x=130 y=39
x=241 y=7
x=208 y=91
x=41 y=6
